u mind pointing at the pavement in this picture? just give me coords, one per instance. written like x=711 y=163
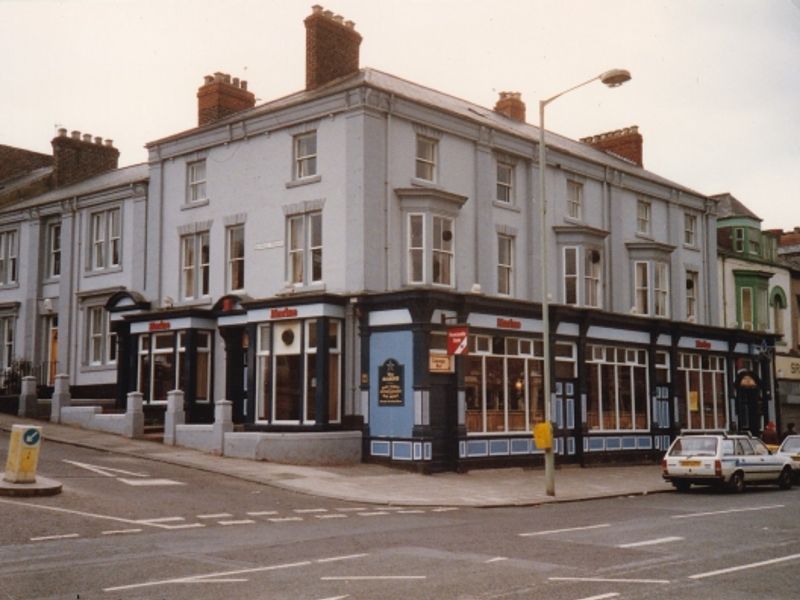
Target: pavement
x=378 y=484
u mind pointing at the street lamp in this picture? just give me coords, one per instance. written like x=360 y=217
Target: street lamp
x=612 y=78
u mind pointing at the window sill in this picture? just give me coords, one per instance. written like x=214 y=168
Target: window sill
x=573 y=220
x=50 y=280
x=196 y=204
x=506 y=206
x=99 y=368
x=204 y=301
x=645 y=236
x=425 y=183
x=9 y=286
x=304 y=181
x=100 y=272
x=302 y=288
x=691 y=247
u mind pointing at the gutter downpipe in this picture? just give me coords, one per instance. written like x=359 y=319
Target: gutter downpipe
x=386 y=194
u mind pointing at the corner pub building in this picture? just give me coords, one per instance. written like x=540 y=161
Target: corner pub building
x=308 y=256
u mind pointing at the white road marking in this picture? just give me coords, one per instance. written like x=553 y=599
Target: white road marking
x=608 y=580
x=444 y=509
x=496 y=559
x=310 y=510
x=182 y=526
x=729 y=511
x=566 y=530
x=54 y=537
x=161 y=520
x=284 y=519
x=601 y=596
x=338 y=558
x=165 y=523
x=356 y=509
x=227 y=575
x=373 y=514
x=237 y=522
x=334 y=516
x=228 y=580
x=663 y=540
x=144 y=482
x=410 y=512
x=120 y=531
x=371 y=577
x=262 y=513
x=73 y=512
x=215 y=516
x=754 y=565
x=104 y=471
x=336 y=597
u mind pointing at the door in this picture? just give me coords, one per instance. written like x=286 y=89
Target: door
x=52 y=349
x=287 y=405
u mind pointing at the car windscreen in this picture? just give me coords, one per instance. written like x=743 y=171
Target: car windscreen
x=694 y=446
x=791 y=445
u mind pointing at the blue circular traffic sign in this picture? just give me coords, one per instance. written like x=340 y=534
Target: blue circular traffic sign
x=31 y=437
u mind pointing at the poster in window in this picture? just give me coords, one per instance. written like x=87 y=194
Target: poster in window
x=390 y=383
x=694 y=403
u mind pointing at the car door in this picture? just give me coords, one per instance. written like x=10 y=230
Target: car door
x=768 y=467
x=747 y=460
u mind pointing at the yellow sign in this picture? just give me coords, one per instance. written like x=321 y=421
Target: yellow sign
x=787 y=367
x=440 y=363
x=694 y=401
x=23 y=454
x=543 y=435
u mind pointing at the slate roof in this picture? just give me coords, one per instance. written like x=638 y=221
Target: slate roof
x=728 y=206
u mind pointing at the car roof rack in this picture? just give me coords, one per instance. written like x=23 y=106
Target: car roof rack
x=722 y=432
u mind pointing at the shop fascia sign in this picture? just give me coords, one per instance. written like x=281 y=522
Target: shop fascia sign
x=283 y=313
x=787 y=367
x=159 y=326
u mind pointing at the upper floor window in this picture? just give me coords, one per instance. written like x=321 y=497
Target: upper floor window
x=304 y=248
x=105 y=240
x=582 y=276
x=101 y=343
x=755 y=242
x=426 y=158
x=574 y=200
x=505 y=264
x=196 y=181
x=195 y=265
x=505 y=178
x=738 y=239
x=691 y=295
x=8 y=257
x=53 y=250
x=235 y=257
x=643 y=217
x=305 y=155
x=434 y=256
x=651 y=288
x=779 y=305
x=690 y=229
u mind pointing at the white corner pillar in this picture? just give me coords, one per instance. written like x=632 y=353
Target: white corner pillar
x=134 y=416
x=174 y=416
x=61 y=397
x=223 y=423
x=28 y=400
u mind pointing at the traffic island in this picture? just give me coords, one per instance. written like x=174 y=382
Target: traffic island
x=23 y=456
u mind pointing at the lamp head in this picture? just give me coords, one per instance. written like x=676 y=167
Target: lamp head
x=615 y=77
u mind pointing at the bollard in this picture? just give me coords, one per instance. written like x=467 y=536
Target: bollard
x=134 y=416
x=223 y=423
x=174 y=416
x=23 y=454
x=61 y=397
x=28 y=400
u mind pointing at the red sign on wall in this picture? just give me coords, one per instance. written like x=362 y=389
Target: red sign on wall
x=158 y=326
x=283 y=313
x=702 y=344
x=457 y=340
x=508 y=323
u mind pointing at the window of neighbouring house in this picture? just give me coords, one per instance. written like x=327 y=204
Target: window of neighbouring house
x=53 y=242
x=101 y=341
x=574 y=200
x=690 y=229
x=426 y=158
x=196 y=182
x=9 y=251
x=7 y=337
x=305 y=155
x=105 y=238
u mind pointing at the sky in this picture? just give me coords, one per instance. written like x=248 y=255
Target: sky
x=715 y=86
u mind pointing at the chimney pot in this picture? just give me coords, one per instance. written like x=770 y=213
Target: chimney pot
x=208 y=79
x=243 y=84
x=316 y=9
x=350 y=24
x=87 y=137
x=338 y=18
x=236 y=82
x=75 y=135
x=328 y=13
x=98 y=140
x=62 y=132
x=109 y=143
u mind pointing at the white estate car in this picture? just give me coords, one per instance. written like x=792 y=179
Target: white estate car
x=724 y=459
x=791 y=447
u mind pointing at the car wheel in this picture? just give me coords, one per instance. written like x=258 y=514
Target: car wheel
x=736 y=484
x=785 y=479
x=682 y=486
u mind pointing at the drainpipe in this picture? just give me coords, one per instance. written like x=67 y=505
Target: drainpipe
x=386 y=194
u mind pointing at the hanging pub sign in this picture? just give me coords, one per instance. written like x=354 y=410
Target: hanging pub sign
x=390 y=383
x=457 y=338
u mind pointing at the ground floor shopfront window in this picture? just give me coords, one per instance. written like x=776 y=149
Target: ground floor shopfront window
x=166 y=362
x=702 y=390
x=504 y=385
x=299 y=366
x=616 y=388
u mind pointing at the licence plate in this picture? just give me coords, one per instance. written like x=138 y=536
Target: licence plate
x=690 y=463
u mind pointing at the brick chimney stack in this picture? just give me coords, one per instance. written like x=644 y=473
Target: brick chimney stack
x=331 y=47
x=624 y=143
x=76 y=159
x=221 y=96
x=511 y=105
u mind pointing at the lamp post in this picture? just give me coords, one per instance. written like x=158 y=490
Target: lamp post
x=612 y=78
